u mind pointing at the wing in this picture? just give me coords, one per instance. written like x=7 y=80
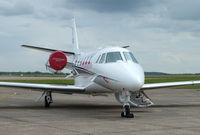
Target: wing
x=47 y=49
x=65 y=89
x=169 y=84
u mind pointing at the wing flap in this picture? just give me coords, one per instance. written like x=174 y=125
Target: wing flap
x=42 y=87
x=169 y=84
x=46 y=49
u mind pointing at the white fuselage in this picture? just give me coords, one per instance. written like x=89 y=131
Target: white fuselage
x=117 y=72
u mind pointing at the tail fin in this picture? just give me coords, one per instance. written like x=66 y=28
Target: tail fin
x=75 y=37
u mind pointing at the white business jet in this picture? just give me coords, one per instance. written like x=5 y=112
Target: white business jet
x=108 y=70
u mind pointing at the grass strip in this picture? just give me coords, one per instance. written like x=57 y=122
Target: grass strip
x=173 y=78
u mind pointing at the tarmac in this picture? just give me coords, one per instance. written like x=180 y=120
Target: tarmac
x=176 y=112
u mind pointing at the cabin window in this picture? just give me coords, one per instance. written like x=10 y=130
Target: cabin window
x=103 y=57
x=89 y=60
x=129 y=57
x=82 y=61
x=98 y=59
x=113 y=57
x=86 y=60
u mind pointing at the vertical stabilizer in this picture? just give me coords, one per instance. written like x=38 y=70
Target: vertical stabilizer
x=75 y=37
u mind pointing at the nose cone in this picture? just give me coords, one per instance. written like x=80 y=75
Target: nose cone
x=122 y=75
x=134 y=82
x=134 y=78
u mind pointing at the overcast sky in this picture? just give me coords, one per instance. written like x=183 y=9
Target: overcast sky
x=164 y=35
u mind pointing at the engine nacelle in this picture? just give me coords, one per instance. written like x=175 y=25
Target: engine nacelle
x=57 y=61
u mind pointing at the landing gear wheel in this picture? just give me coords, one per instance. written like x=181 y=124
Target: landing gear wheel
x=48 y=99
x=126 y=113
x=47 y=103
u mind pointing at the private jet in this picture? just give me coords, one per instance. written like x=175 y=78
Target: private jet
x=106 y=70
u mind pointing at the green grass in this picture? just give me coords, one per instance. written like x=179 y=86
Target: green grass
x=173 y=78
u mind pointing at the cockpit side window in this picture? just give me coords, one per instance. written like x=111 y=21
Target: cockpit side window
x=129 y=57
x=103 y=57
x=113 y=57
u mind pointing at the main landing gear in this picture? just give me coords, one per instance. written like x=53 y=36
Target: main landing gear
x=48 y=99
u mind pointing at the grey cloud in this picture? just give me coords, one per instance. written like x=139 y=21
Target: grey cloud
x=184 y=9
x=108 y=5
x=18 y=8
x=55 y=14
x=179 y=9
x=170 y=25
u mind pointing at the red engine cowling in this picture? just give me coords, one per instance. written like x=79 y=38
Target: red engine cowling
x=57 y=60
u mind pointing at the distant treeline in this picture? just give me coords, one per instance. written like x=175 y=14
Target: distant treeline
x=36 y=73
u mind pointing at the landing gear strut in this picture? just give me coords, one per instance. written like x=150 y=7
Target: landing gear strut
x=48 y=99
x=125 y=98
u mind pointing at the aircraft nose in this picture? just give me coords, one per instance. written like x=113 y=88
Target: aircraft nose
x=134 y=79
x=134 y=82
x=127 y=76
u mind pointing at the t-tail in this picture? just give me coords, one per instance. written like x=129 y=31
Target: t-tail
x=75 y=37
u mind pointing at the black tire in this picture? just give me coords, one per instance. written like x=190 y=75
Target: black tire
x=122 y=114
x=46 y=103
x=127 y=109
x=130 y=115
x=127 y=114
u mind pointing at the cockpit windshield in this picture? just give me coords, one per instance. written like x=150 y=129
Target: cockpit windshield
x=113 y=57
x=129 y=57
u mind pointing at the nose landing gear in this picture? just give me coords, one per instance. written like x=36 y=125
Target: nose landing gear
x=125 y=98
x=135 y=98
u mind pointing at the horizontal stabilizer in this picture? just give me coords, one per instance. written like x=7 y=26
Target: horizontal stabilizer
x=47 y=49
